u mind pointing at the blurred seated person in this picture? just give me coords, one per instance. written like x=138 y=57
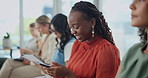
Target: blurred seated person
x=31 y=48
x=64 y=38
x=46 y=49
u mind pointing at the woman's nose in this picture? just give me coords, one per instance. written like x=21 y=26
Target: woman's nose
x=132 y=7
x=39 y=30
x=72 y=31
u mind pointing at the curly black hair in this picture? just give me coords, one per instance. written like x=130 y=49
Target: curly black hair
x=90 y=11
x=143 y=35
x=60 y=24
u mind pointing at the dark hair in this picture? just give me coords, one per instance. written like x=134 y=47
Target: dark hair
x=90 y=11
x=32 y=25
x=143 y=35
x=60 y=24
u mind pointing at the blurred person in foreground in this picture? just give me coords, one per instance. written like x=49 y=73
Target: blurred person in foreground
x=135 y=61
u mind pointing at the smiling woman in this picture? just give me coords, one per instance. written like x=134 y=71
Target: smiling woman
x=94 y=54
x=64 y=38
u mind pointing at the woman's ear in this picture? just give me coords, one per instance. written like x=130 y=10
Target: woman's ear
x=47 y=25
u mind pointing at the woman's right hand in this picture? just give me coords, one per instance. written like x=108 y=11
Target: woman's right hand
x=40 y=67
x=58 y=70
x=26 y=51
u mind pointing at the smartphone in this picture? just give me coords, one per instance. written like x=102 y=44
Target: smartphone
x=45 y=65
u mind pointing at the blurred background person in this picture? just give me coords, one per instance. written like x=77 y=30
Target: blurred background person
x=64 y=38
x=32 y=47
x=48 y=44
x=46 y=50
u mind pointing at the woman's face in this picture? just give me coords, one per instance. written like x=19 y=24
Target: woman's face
x=34 y=32
x=43 y=29
x=59 y=35
x=80 y=27
x=139 y=13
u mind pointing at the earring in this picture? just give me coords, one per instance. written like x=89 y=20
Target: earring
x=93 y=32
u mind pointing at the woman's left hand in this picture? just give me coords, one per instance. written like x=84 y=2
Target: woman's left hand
x=26 y=62
x=57 y=70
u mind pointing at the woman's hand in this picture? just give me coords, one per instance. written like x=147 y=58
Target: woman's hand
x=41 y=67
x=26 y=62
x=24 y=51
x=58 y=70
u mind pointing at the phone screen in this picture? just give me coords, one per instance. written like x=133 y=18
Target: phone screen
x=45 y=65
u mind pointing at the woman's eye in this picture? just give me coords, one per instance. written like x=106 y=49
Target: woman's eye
x=140 y=0
x=76 y=27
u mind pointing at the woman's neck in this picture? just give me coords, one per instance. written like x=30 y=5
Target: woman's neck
x=48 y=33
x=37 y=36
x=91 y=39
x=146 y=49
